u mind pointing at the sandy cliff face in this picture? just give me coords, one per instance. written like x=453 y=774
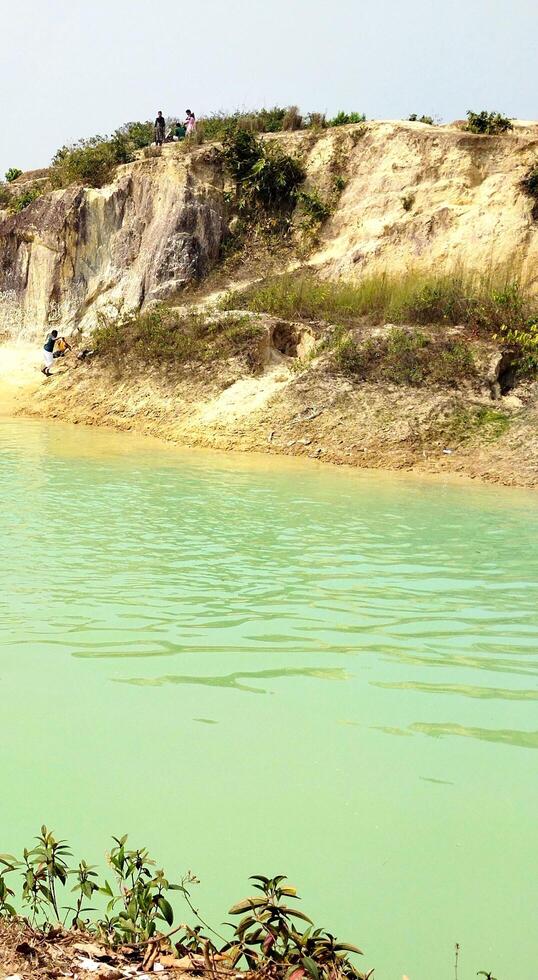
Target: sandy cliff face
x=413 y=195
x=78 y=251
x=430 y=196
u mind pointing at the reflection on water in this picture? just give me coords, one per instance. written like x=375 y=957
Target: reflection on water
x=255 y=576
x=467 y=690
x=441 y=782
x=233 y=681
x=525 y=740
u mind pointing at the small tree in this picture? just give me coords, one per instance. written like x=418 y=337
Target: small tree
x=487 y=123
x=12 y=174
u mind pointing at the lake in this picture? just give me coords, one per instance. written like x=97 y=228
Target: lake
x=254 y=665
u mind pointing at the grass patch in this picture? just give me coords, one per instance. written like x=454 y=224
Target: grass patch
x=164 y=337
x=465 y=424
x=405 y=358
x=490 y=304
x=274 y=120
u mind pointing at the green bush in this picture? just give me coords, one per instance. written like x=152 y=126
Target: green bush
x=19 y=202
x=55 y=890
x=217 y=125
x=263 y=174
x=523 y=339
x=428 y=120
x=344 y=118
x=314 y=209
x=90 y=162
x=12 y=174
x=137 y=134
x=487 y=123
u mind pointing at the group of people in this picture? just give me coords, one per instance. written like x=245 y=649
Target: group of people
x=177 y=131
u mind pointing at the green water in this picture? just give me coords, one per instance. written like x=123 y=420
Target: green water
x=258 y=666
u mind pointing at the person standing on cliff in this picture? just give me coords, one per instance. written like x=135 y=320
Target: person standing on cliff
x=190 y=122
x=48 y=352
x=159 y=129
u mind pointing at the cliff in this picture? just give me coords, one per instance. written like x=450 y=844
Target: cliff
x=413 y=195
x=403 y=196
x=75 y=252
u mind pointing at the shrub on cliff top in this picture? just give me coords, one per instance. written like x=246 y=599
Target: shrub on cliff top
x=344 y=118
x=12 y=174
x=487 y=123
x=92 y=162
x=428 y=120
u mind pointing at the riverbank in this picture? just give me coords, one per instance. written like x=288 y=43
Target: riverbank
x=290 y=409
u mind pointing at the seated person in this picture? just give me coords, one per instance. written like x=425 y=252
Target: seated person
x=180 y=131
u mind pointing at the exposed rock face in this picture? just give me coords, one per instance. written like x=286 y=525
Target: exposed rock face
x=75 y=252
x=419 y=195
x=414 y=195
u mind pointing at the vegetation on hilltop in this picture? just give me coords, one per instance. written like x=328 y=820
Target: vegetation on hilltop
x=428 y=120
x=486 y=123
x=12 y=174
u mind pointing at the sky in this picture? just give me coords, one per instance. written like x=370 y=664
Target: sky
x=74 y=68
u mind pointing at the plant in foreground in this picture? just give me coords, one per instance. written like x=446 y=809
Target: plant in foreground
x=271 y=935
x=269 y=931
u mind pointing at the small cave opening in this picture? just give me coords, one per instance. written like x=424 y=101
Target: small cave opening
x=284 y=339
x=507 y=373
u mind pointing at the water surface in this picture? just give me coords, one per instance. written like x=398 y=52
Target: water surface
x=266 y=666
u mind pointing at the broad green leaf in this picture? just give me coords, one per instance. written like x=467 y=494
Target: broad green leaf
x=296 y=913
x=311 y=967
x=245 y=905
x=166 y=910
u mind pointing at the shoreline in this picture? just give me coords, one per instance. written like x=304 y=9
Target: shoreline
x=74 y=400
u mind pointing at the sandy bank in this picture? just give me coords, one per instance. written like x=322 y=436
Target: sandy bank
x=286 y=412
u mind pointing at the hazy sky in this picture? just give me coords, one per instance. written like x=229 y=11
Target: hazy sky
x=72 y=68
